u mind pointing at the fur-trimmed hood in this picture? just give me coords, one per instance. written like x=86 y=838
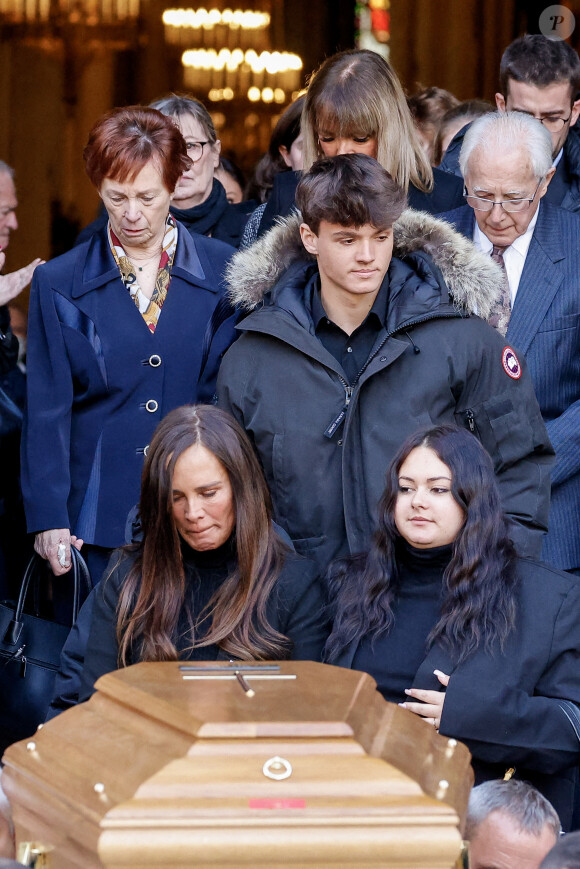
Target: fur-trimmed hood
x=473 y=279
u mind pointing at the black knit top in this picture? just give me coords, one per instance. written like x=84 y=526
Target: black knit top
x=394 y=658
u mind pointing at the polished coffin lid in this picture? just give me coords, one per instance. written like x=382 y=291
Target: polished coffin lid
x=168 y=767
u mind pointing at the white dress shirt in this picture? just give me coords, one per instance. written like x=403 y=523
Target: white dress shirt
x=514 y=256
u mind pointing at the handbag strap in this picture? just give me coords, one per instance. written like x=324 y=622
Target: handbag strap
x=81 y=577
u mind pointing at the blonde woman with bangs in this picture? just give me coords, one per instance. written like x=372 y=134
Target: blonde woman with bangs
x=355 y=104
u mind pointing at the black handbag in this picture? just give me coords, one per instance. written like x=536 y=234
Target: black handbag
x=30 y=647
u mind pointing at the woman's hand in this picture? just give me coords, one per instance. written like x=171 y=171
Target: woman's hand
x=46 y=544
x=431 y=707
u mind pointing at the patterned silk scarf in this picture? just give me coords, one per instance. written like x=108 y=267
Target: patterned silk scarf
x=150 y=309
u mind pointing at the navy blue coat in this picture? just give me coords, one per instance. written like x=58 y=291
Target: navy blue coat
x=545 y=326
x=99 y=381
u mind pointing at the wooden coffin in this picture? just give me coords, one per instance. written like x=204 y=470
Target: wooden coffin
x=166 y=767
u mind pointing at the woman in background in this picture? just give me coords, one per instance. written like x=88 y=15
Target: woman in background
x=427 y=107
x=200 y=201
x=284 y=152
x=283 y=158
x=232 y=180
x=450 y=125
x=355 y=104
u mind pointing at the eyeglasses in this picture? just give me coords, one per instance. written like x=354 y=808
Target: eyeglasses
x=554 y=125
x=510 y=205
x=195 y=150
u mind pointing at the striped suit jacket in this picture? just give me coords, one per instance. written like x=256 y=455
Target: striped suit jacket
x=545 y=327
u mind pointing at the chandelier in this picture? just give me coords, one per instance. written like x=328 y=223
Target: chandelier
x=229 y=56
x=208 y=28
x=54 y=25
x=269 y=76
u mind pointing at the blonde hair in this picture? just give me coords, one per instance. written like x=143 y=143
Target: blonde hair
x=358 y=93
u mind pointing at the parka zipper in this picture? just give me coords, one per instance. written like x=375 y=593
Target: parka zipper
x=348 y=390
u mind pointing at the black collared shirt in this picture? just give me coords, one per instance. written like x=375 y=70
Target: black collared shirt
x=351 y=351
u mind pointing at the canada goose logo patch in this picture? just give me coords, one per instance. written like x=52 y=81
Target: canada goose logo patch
x=511 y=363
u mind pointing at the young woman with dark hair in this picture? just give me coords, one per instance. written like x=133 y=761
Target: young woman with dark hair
x=211 y=578
x=457 y=629
x=475 y=607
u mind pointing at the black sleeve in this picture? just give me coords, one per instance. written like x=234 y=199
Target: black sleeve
x=68 y=679
x=506 y=725
x=447 y=194
x=498 y=404
x=300 y=609
x=8 y=342
x=101 y=654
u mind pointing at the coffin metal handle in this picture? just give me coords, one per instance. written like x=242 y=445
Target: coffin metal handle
x=277 y=768
x=36 y=855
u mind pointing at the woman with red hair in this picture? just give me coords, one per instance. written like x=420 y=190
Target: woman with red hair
x=115 y=341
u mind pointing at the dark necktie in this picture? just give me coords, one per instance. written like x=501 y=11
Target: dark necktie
x=501 y=308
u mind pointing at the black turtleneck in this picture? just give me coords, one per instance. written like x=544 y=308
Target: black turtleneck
x=204 y=572
x=393 y=659
x=294 y=608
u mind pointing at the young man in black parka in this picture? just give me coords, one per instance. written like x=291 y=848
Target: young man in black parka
x=362 y=329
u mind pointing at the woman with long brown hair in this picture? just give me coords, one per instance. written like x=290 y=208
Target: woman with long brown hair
x=211 y=578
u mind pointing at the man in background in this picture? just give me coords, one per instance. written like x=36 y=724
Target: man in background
x=506 y=159
x=541 y=77
x=13 y=543
x=509 y=825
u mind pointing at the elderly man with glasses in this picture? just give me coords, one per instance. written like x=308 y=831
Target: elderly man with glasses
x=506 y=162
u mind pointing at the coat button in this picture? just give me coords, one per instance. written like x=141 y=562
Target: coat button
x=145 y=450
x=155 y=361
x=151 y=405
x=339 y=443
